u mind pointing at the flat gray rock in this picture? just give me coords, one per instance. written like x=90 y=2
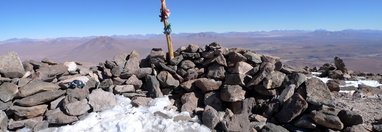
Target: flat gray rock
x=28 y=112
x=57 y=117
x=77 y=107
x=100 y=100
x=8 y=91
x=35 y=87
x=40 y=98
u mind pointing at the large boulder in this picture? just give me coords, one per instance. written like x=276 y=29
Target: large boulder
x=292 y=108
x=317 y=92
x=40 y=98
x=8 y=91
x=100 y=100
x=207 y=85
x=28 y=112
x=232 y=93
x=11 y=66
x=36 y=87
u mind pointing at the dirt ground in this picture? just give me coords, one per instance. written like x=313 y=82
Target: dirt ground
x=369 y=108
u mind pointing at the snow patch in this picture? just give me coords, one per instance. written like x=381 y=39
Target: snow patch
x=72 y=66
x=360 y=81
x=370 y=83
x=124 y=117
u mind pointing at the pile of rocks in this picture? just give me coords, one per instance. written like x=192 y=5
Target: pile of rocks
x=37 y=95
x=229 y=89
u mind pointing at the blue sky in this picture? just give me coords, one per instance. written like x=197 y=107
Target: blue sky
x=75 y=18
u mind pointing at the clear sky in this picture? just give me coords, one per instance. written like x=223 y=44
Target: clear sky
x=75 y=18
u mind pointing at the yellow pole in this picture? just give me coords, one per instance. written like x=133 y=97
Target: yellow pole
x=164 y=18
x=169 y=42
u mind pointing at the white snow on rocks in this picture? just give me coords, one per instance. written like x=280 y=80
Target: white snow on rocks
x=72 y=66
x=126 y=118
x=360 y=81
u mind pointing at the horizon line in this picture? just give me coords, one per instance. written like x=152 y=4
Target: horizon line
x=147 y=34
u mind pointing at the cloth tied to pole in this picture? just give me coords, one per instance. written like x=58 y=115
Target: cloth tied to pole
x=165 y=13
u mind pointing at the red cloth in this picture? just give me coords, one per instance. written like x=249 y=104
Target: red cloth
x=164 y=10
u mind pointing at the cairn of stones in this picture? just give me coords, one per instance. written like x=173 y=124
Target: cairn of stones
x=228 y=89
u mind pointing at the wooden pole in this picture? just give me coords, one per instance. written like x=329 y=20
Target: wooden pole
x=169 y=42
x=164 y=18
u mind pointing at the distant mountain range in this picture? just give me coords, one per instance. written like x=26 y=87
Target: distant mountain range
x=296 y=46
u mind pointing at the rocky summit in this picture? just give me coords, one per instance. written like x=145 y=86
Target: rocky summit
x=228 y=89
